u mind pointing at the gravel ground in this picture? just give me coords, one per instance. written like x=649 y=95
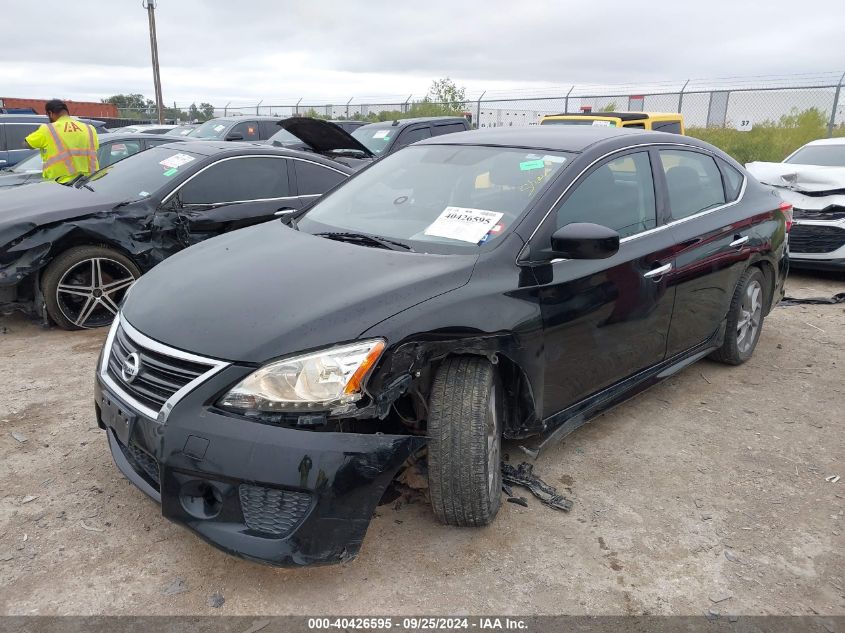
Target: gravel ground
x=707 y=492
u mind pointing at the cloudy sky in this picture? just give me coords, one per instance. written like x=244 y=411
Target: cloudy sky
x=328 y=50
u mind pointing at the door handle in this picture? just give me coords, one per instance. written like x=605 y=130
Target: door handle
x=657 y=273
x=739 y=241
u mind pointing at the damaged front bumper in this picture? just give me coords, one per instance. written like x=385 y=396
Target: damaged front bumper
x=281 y=496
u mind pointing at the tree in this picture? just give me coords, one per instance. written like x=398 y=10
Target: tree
x=207 y=110
x=132 y=105
x=610 y=107
x=445 y=92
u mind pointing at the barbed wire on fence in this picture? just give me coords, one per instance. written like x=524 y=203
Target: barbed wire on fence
x=719 y=102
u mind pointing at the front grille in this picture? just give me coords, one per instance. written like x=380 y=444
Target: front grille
x=271 y=511
x=814 y=238
x=833 y=212
x=142 y=462
x=159 y=376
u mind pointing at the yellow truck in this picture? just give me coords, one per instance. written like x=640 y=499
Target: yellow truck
x=657 y=121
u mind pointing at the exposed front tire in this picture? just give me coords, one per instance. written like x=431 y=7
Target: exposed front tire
x=745 y=319
x=465 y=447
x=84 y=286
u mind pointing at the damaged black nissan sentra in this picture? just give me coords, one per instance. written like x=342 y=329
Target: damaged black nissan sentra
x=265 y=386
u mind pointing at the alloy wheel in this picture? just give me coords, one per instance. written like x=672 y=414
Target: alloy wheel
x=89 y=292
x=751 y=312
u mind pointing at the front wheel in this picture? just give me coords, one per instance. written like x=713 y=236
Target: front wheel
x=465 y=447
x=84 y=286
x=745 y=319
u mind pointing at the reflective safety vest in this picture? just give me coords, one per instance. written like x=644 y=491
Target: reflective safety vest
x=68 y=148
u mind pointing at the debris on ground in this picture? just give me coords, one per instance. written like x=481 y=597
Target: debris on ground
x=520 y=501
x=176 y=587
x=216 y=600
x=731 y=556
x=523 y=475
x=792 y=301
x=832 y=479
x=720 y=597
x=28 y=499
x=90 y=528
x=20 y=438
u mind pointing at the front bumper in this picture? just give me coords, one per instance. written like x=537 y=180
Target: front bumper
x=818 y=244
x=276 y=495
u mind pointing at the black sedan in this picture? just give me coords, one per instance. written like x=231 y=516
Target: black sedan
x=77 y=249
x=505 y=283
x=113 y=148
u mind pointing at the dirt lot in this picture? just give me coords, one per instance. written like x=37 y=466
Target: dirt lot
x=706 y=492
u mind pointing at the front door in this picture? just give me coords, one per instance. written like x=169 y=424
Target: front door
x=227 y=195
x=607 y=319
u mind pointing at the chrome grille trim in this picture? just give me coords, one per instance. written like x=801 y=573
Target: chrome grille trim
x=160 y=415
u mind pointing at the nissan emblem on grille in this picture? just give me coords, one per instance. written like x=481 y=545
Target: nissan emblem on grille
x=131 y=367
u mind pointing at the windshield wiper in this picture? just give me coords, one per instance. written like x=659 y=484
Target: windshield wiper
x=365 y=239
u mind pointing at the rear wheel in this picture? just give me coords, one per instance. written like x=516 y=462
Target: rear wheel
x=745 y=319
x=84 y=286
x=464 y=452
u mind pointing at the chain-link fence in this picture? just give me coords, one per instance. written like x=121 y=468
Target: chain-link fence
x=738 y=102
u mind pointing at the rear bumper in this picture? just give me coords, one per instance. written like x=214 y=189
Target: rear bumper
x=275 y=495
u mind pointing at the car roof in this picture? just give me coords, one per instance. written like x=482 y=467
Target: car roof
x=246 y=118
x=421 y=119
x=624 y=116
x=129 y=136
x=562 y=138
x=212 y=148
x=836 y=140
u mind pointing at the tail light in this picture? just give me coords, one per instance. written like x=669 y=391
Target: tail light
x=786 y=209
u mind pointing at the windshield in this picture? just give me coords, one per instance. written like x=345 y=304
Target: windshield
x=438 y=198
x=375 y=138
x=29 y=165
x=579 y=121
x=211 y=129
x=182 y=130
x=284 y=138
x=821 y=155
x=143 y=174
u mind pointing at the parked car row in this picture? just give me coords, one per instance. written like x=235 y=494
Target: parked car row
x=14 y=128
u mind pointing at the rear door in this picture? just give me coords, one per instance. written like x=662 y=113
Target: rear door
x=229 y=194
x=714 y=242
x=607 y=319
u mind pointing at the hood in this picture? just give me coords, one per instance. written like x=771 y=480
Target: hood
x=32 y=205
x=266 y=291
x=13 y=179
x=802 y=178
x=322 y=136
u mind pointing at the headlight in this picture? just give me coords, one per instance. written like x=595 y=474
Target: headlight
x=328 y=378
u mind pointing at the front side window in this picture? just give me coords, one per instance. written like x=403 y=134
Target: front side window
x=238 y=179
x=315 y=179
x=412 y=136
x=666 y=126
x=618 y=194
x=449 y=128
x=693 y=181
x=248 y=130
x=427 y=195
x=17 y=132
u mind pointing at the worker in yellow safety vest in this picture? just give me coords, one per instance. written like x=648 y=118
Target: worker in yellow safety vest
x=68 y=146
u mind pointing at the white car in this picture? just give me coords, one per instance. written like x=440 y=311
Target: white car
x=147 y=128
x=812 y=179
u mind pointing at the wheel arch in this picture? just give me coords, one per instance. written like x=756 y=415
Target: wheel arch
x=769 y=277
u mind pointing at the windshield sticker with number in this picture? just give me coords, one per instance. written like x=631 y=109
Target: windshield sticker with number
x=381 y=133
x=464 y=224
x=532 y=164
x=177 y=160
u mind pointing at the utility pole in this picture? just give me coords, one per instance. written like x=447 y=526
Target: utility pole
x=150 y=6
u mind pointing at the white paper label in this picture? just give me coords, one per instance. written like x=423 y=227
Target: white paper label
x=381 y=133
x=551 y=158
x=177 y=160
x=219 y=128
x=602 y=123
x=465 y=224
x=744 y=125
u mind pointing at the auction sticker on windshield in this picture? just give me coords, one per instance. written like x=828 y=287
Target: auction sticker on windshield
x=463 y=223
x=177 y=160
x=381 y=133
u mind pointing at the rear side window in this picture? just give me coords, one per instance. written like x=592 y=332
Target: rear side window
x=238 y=179
x=733 y=181
x=112 y=152
x=693 y=181
x=412 y=136
x=266 y=129
x=17 y=132
x=618 y=194
x=439 y=130
x=639 y=126
x=315 y=179
x=666 y=126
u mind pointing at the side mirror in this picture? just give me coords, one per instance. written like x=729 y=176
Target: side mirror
x=235 y=137
x=584 y=240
